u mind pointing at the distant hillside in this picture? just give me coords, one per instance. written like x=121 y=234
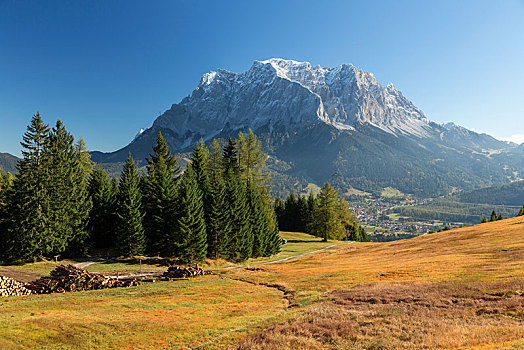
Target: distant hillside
x=509 y=194
x=8 y=162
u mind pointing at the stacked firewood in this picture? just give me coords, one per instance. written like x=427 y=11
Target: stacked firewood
x=71 y=279
x=10 y=287
x=176 y=271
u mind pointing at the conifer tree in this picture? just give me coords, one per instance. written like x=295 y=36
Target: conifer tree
x=200 y=166
x=160 y=199
x=191 y=224
x=493 y=216
x=230 y=159
x=102 y=216
x=274 y=243
x=218 y=223
x=69 y=205
x=251 y=161
x=84 y=157
x=129 y=229
x=240 y=245
x=6 y=181
x=28 y=200
x=521 y=211
x=309 y=211
x=326 y=217
x=499 y=217
x=259 y=223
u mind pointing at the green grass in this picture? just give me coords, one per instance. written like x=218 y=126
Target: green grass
x=390 y=192
x=154 y=315
x=297 y=243
x=30 y=271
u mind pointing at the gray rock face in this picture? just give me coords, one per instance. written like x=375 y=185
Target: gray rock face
x=286 y=96
x=316 y=122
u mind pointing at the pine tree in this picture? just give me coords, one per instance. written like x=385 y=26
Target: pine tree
x=259 y=223
x=521 y=211
x=483 y=220
x=28 y=200
x=101 y=226
x=191 y=224
x=69 y=204
x=230 y=159
x=218 y=223
x=129 y=229
x=499 y=217
x=160 y=199
x=493 y=216
x=326 y=216
x=241 y=243
x=200 y=166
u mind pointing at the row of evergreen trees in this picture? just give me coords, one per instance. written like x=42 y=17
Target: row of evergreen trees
x=59 y=203
x=326 y=215
x=493 y=217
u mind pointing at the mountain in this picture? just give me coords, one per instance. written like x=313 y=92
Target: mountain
x=337 y=124
x=8 y=162
x=511 y=194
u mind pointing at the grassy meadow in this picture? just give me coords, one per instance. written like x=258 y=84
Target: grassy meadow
x=461 y=289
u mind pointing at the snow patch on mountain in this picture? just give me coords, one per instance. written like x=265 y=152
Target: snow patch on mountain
x=285 y=96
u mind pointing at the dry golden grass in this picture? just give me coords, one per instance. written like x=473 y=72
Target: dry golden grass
x=455 y=289
x=404 y=316
x=487 y=252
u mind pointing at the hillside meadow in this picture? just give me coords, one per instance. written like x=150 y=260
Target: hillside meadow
x=457 y=289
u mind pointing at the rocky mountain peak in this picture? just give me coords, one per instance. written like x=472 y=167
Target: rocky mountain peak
x=285 y=96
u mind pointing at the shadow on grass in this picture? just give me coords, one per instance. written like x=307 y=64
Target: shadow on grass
x=145 y=260
x=304 y=241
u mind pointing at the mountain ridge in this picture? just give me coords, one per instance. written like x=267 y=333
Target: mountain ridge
x=341 y=110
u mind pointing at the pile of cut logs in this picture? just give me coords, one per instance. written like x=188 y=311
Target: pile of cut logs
x=71 y=279
x=10 y=287
x=176 y=271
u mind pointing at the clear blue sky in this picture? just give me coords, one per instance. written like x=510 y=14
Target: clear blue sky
x=109 y=68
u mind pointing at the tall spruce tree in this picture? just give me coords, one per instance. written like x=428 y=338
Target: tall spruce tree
x=259 y=222
x=241 y=243
x=28 y=199
x=160 y=199
x=191 y=224
x=129 y=229
x=521 y=211
x=102 y=216
x=200 y=166
x=230 y=159
x=69 y=204
x=218 y=223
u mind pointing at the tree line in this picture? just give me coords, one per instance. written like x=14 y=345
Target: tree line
x=59 y=202
x=326 y=215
